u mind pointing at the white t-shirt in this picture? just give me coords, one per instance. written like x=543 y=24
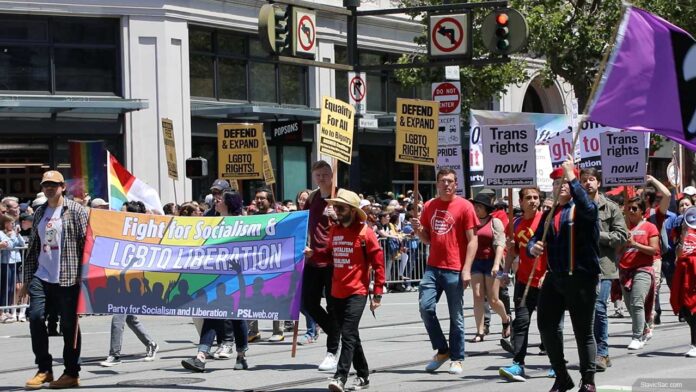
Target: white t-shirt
x=50 y=233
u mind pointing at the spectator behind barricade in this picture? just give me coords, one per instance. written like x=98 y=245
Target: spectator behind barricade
x=39 y=201
x=389 y=240
x=188 y=209
x=290 y=205
x=10 y=262
x=409 y=252
x=12 y=205
x=690 y=191
x=100 y=204
x=25 y=225
x=301 y=198
x=171 y=209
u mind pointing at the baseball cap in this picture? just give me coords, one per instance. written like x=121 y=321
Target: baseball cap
x=39 y=201
x=25 y=216
x=52 y=176
x=220 y=185
x=559 y=172
x=690 y=190
x=98 y=202
x=364 y=203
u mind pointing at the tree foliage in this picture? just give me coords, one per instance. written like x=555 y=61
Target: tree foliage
x=570 y=35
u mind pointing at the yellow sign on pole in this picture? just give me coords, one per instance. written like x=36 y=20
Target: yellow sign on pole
x=267 y=165
x=416 y=131
x=170 y=148
x=336 y=137
x=240 y=151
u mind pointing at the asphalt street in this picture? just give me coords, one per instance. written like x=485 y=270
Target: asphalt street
x=396 y=346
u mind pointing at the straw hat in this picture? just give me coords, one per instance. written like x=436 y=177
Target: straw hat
x=351 y=199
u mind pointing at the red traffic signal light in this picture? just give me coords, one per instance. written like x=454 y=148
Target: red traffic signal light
x=504 y=31
x=502 y=19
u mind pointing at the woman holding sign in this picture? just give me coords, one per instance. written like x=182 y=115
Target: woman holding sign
x=485 y=281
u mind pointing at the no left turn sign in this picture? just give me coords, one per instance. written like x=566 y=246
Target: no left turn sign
x=449 y=35
x=304 y=32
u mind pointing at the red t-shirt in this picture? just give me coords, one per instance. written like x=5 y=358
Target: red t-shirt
x=447 y=222
x=631 y=257
x=524 y=230
x=351 y=273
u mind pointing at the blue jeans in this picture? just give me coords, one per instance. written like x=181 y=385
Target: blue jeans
x=311 y=324
x=601 y=324
x=433 y=283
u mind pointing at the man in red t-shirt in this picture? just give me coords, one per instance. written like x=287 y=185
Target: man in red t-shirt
x=523 y=229
x=447 y=224
x=354 y=249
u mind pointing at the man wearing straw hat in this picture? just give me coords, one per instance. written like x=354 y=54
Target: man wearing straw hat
x=52 y=273
x=572 y=276
x=354 y=250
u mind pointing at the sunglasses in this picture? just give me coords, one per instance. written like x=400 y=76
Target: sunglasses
x=338 y=207
x=633 y=209
x=51 y=184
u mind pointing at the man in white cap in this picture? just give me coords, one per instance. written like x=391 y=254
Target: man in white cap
x=100 y=204
x=691 y=192
x=354 y=249
x=52 y=270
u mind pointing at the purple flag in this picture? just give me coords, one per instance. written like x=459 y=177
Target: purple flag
x=649 y=83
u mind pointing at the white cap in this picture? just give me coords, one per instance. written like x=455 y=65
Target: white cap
x=39 y=201
x=98 y=202
x=364 y=203
x=690 y=190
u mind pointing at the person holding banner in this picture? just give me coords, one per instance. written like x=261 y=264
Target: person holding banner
x=52 y=273
x=613 y=234
x=447 y=225
x=228 y=204
x=355 y=251
x=318 y=270
x=572 y=276
x=523 y=228
x=485 y=281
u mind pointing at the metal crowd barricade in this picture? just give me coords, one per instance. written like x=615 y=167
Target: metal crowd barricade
x=407 y=264
x=11 y=279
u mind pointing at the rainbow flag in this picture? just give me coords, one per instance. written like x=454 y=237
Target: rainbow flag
x=124 y=187
x=87 y=169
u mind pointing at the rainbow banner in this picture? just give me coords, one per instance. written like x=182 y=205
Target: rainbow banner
x=240 y=267
x=87 y=169
x=125 y=187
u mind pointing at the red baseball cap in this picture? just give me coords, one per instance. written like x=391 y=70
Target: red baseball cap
x=558 y=173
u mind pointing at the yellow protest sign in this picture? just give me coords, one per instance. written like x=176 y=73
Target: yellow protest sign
x=170 y=148
x=268 y=175
x=240 y=152
x=336 y=136
x=416 y=131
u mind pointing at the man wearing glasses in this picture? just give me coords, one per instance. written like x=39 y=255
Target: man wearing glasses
x=572 y=276
x=52 y=273
x=447 y=224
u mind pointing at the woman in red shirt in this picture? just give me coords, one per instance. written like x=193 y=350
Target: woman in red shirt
x=487 y=263
x=636 y=271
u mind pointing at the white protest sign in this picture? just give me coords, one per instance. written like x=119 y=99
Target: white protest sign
x=451 y=156
x=449 y=131
x=623 y=158
x=509 y=155
x=544 y=168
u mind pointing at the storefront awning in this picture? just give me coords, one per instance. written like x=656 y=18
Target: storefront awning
x=77 y=104
x=252 y=111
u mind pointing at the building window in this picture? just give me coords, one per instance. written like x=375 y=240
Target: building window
x=227 y=65
x=60 y=55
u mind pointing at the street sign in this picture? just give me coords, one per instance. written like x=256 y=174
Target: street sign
x=449 y=35
x=448 y=95
x=357 y=91
x=452 y=72
x=170 y=148
x=304 y=32
x=449 y=131
x=368 y=123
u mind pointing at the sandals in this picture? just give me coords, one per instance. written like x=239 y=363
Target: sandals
x=477 y=338
x=506 y=328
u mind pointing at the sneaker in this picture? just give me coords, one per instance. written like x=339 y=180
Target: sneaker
x=513 y=373
x=329 y=363
x=636 y=344
x=436 y=362
x=507 y=346
x=551 y=373
x=65 y=381
x=336 y=385
x=193 y=364
x=38 y=380
x=225 y=351
x=241 y=362
x=359 y=384
x=602 y=362
x=587 y=388
x=305 y=339
x=7 y=318
x=455 y=367
x=647 y=335
x=562 y=385
x=22 y=317
x=276 y=338
x=254 y=337
x=691 y=353
x=111 y=360
x=151 y=352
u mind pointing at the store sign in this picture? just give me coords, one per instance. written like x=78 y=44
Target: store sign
x=286 y=131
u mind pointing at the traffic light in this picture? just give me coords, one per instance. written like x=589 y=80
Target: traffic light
x=196 y=167
x=274 y=28
x=504 y=31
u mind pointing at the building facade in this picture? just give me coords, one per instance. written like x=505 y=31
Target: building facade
x=112 y=69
